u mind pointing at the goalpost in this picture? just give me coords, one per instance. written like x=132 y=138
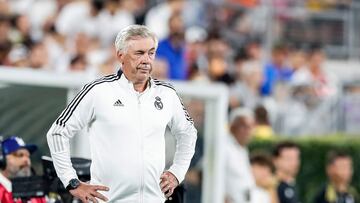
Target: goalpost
x=215 y=97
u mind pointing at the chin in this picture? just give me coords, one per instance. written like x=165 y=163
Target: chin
x=143 y=77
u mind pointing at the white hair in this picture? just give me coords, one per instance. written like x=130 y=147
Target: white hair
x=131 y=32
x=240 y=113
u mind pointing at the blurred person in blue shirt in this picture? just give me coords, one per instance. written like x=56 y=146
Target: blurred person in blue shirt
x=172 y=49
x=276 y=71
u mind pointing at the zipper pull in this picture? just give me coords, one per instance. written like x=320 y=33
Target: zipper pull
x=138 y=98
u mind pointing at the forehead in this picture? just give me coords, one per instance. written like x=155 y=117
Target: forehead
x=343 y=160
x=21 y=151
x=243 y=120
x=290 y=151
x=141 y=43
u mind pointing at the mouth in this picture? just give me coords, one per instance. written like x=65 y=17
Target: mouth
x=144 y=68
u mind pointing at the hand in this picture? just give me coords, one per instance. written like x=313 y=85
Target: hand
x=86 y=192
x=168 y=183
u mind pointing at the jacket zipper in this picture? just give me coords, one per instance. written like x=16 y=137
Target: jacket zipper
x=141 y=153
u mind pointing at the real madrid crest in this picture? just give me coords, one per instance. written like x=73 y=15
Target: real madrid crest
x=158 y=103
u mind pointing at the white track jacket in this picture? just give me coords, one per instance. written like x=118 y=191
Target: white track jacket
x=127 y=142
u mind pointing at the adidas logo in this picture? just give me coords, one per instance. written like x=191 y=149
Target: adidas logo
x=118 y=103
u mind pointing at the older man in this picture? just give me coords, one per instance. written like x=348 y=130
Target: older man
x=126 y=115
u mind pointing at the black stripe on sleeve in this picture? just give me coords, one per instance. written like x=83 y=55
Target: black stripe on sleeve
x=166 y=84
x=69 y=110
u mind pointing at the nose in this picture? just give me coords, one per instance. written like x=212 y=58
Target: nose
x=146 y=58
x=26 y=161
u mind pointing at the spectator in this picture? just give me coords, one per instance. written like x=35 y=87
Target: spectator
x=195 y=53
x=276 y=71
x=246 y=91
x=4 y=29
x=78 y=63
x=112 y=19
x=263 y=170
x=172 y=49
x=254 y=50
x=239 y=180
x=241 y=57
x=263 y=128
x=38 y=58
x=158 y=17
x=21 y=33
x=17 y=57
x=217 y=53
x=339 y=169
x=324 y=84
x=16 y=163
x=287 y=162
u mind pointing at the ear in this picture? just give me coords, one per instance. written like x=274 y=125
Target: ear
x=232 y=129
x=120 y=56
x=328 y=169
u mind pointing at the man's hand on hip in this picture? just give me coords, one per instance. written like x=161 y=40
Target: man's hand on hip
x=86 y=192
x=168 y=183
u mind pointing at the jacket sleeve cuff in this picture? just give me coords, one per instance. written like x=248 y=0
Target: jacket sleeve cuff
x=178 y=173
x=66 y=179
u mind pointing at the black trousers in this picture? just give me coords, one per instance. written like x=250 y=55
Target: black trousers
x=179 y=195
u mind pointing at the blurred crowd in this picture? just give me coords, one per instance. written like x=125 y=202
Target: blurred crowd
x=263 y=176
x=200 y=41
x=207 y=41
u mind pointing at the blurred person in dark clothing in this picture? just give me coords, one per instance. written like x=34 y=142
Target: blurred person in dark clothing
x=22 y=30
x=287 y=162
x=339 y=169
x=217 y=53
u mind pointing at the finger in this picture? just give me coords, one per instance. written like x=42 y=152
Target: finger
x=169 y=193
x=166 y=189
x=163 y=184
x=101 y=187
x=164 y=176
x=92 y=199
x=99 y=195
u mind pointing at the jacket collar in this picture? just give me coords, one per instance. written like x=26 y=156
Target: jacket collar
x=5 y=182
x=126 y=83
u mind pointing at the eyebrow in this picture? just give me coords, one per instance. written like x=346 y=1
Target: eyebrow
x=142 y=51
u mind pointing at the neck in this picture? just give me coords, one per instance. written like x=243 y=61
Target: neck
x=340 y=187
x=6 y=174
x=241 y=142
x=284 y=177
x=140 y=86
